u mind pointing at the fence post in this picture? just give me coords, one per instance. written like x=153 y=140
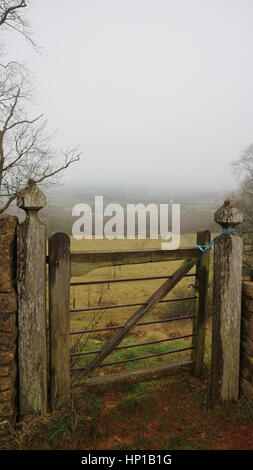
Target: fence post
x=199 y=323
x=59 y=318
x=227 y=285
x=31 y=284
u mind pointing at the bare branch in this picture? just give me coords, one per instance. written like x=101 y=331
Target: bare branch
x=8 y=203
x=68 y=161
x=7 y=11
x=12 y=17
x=25 y=121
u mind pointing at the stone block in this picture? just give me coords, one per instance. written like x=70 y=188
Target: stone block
x=247 y=328
x=6 y=408
x=7 y=340
x=6 y=370
x=7 y=356
x=8 y=382
x=6 y=426
x=246 y=389
x=246 y=366
x=7 y=395
x=8 y=302
x=247 y=288
x=8 y=323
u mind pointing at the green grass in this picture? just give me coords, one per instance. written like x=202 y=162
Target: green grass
x=59 y=429
x=240 y=412
x=137 y=401
x=142 y=443
x=79 y=419
x=133 y=353
x=179 y=442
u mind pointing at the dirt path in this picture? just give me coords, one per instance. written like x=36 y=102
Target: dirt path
x=171 y=414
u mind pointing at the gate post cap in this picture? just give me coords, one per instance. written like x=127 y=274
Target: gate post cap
x=228 y=215
x=31 y=197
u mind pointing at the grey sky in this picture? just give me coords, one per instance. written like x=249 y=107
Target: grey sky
x=153 y=91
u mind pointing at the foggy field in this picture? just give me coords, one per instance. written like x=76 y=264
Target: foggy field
x=130 y=292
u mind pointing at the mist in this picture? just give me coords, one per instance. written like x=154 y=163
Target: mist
x=156 y=93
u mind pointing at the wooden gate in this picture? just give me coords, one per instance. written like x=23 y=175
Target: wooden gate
x=64 y=381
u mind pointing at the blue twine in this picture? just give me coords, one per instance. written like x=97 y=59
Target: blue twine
x=209 y=246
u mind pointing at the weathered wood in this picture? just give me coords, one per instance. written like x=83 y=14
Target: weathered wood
x=227 y=286
x=31 y=283
x=152 y=302
x=132 y=377
x=96 y=259
x=199 y=322
x=59 y=318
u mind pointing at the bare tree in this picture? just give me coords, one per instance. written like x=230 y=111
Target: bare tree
x=12 y=17
x=243 y=169
x=25 y=150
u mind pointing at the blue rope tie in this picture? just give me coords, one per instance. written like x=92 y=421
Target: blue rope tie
x=205 y=248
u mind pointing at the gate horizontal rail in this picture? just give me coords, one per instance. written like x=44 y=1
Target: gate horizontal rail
x=106 y=307
x=98 y=259
x=117 y=327
x=135 y=345
x=126 y=279
x=124 y=361
x=155 y=372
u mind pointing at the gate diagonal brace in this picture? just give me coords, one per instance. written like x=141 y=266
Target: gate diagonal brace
x=152 y=302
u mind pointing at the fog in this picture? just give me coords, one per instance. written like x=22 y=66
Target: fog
x=155 y=92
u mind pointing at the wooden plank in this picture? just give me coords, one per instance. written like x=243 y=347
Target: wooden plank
x=31 y=283
x=59 y=318
x=152 y=302
x=226 y=318
x=199 y=322
x=227 y=287
x=97 y=259
x=132 y=377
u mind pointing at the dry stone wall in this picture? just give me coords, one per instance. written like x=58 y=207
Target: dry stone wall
x=8 y=317
x=246 y=370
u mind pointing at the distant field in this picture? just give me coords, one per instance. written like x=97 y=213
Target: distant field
x=100 y=295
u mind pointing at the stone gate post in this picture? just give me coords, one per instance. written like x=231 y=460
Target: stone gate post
x=31 y=284
x=227 y=286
